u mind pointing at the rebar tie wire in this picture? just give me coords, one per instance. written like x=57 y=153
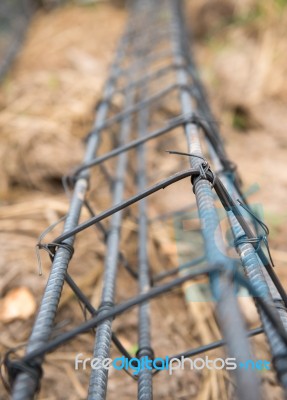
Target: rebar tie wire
x=140 y=46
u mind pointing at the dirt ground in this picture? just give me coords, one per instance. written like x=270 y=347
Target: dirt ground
x=46 y=108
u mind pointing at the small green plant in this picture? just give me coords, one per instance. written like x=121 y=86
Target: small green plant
x=240 y=119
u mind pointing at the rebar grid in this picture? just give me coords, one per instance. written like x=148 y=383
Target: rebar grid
x=155 y=45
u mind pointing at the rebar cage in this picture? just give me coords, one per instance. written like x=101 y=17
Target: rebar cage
x=154 y=101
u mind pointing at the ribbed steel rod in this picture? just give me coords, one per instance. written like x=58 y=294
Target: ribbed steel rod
x=145 y=391
x=99 y=377
x=252 y=264
x=262 y=282
x=26 y=385
x=231 y=322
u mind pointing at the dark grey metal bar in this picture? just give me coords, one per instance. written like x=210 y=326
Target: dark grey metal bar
x=26 y=385
x=98 y=379
x=259 y=277
x=145 y=387
x=231 y=321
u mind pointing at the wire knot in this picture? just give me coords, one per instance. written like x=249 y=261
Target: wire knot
x=15 y=367
x=51 y=249
x=257 y=240
x=203 y=170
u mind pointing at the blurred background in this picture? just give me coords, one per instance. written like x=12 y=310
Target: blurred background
x=54 y=58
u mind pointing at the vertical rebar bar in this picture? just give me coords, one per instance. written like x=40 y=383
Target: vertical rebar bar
x=145 y=391
x=231 y=322
x=260 y=280
x=26 y=385
x=98 y=378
